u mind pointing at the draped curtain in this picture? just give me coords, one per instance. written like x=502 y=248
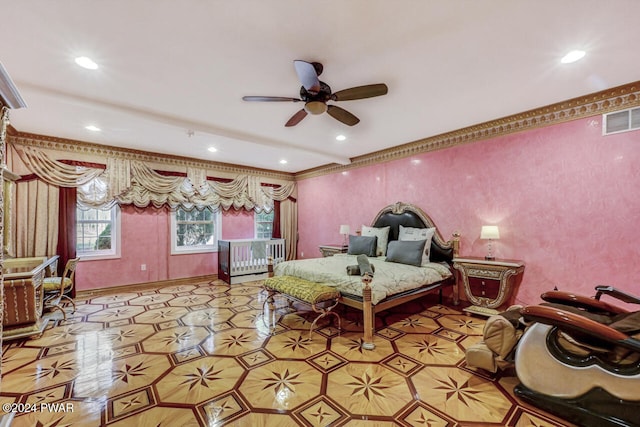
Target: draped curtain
x=275 y=227
x=35 y=234
x=66 y=247
x=289 y=226
x=133 y=182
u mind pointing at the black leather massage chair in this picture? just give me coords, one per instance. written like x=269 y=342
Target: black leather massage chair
x=576 y=357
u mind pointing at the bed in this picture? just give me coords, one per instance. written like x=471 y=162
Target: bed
x=393 y=283
x=244 y=260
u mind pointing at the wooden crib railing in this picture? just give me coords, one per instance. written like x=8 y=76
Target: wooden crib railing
x=244 y=260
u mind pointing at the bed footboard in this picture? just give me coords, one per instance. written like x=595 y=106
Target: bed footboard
x=369 y=310
x=368 y=321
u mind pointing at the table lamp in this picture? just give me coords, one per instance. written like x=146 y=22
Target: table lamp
x=490 y=233
x=344 y=230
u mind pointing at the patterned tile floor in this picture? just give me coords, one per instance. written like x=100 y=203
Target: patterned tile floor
x=200 y=354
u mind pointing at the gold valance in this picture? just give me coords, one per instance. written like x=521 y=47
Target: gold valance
x=125 y=182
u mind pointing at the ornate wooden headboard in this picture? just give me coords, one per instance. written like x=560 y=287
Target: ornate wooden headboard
x=409 y=215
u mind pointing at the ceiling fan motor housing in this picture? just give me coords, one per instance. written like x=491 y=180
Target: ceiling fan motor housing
x=323 y=95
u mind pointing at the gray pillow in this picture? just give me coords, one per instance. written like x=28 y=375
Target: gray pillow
x=362 y=245
x=406 y=252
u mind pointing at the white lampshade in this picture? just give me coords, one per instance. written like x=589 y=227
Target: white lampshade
x=344 y=229
x=490 y=232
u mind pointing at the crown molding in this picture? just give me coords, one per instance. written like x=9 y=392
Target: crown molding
x=606 y=101
x=617 y=98
x=87 y=148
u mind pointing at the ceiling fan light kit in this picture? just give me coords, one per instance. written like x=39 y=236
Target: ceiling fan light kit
x=315 y=107
x=315 y=95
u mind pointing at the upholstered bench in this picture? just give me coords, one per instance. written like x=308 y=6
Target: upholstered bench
x=321 y=297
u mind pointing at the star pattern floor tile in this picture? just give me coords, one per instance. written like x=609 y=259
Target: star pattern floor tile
x=201 y=354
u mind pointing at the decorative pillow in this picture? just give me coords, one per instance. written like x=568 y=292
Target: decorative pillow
x=414 y=234
x=406 y=252
x=382 y=233
x=362 y=245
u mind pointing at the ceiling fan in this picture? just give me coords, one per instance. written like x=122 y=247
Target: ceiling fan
x=315 y=95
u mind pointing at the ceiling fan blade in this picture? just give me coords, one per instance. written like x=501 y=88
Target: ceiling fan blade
x=308 y=76
x=342 y=115
x=360 y=92
x=296 y=118
x=270 y=99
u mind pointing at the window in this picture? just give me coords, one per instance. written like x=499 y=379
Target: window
x=98 y=232
x=194 y=231
x=264 y=225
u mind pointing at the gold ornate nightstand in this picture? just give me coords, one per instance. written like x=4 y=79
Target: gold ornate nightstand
x=488 y=284
x=330 y=250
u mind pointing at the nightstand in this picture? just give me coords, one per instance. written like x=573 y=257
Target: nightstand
x=488 y=284
x=330 y=250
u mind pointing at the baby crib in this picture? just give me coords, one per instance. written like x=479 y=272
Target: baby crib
x=244 y=260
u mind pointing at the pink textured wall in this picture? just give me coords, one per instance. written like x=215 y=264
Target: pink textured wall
x=146 y=240
x=237 y=225
x=565 y=199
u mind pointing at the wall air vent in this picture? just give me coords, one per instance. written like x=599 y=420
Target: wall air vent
x=621 y=121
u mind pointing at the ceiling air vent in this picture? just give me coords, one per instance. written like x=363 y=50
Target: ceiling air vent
x=621 y=121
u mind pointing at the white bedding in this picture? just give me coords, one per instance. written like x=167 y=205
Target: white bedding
x=389 y=278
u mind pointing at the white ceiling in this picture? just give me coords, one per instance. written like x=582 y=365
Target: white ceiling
x=167 y=67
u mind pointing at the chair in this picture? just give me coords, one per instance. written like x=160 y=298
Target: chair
x=580 y=358
x=576 y=357
x=56 y=289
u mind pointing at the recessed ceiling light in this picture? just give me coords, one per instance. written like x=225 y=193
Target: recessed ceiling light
x=573 y=56
x=212 y=149
x=341 y=137
x=283 y=162
x=87 y=63
x=93 y=128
